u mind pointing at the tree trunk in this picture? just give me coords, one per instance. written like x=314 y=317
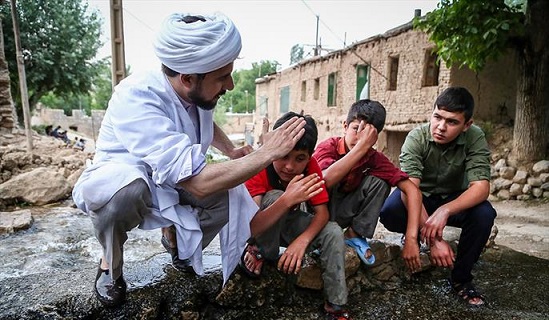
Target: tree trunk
x=8 y=116
x=531 y=130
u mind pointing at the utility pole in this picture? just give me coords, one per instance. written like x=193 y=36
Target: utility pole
x=22 y=76
x=117 y=42
x=316 y=39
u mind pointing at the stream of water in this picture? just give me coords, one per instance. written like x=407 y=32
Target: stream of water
x=61 y=238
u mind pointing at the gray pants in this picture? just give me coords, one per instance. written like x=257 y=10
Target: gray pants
x=128 y=207
x=329 y=240
x=359 y=209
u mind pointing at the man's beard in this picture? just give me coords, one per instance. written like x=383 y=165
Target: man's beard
x=199 y=101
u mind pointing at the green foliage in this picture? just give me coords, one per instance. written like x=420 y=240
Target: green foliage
x=296 y=54
x=97 y=98
x=471 y=32
x=237 y=100
x=40 y=129
x=60 y=39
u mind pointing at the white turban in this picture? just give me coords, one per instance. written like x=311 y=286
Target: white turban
x=197 y=47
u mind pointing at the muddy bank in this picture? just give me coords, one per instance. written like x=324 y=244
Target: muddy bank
x=48 y=271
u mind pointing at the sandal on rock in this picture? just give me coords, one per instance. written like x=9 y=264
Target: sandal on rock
x=362 y=247
x=468 y=292
x=333 y=314
x=252 y=251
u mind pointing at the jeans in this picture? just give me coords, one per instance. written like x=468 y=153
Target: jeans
x=475 y=223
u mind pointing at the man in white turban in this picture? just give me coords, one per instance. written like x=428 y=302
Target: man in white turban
x=149 y=168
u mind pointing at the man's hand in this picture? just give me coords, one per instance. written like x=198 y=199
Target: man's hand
x=442 y=254
x=240 y=152
x=282 y=140
x=410 y=254
x=301 y=189
x=434 y=226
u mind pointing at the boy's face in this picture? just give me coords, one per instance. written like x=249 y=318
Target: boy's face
x=292 y=164
x=351 y=133
x=446 y=126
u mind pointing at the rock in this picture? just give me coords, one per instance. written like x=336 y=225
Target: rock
x=14 y=221
x=515 y=189
x=544 y=177
x=537 y=192
x=545 y=186
x=504 y=194
x=310 y=276
x=526 y=189
x=39 y=186
x=507 y=172
x=520 y=177
x=500 y=164
x=541 y=167
x=534 y=181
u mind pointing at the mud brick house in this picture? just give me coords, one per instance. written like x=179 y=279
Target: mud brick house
x=397 y=68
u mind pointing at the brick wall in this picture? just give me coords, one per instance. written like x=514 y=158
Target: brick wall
x=408 y=105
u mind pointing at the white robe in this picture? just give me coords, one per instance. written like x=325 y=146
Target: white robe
x=146 y=133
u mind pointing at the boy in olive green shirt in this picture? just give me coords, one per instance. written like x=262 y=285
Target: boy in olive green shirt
x=450 y=162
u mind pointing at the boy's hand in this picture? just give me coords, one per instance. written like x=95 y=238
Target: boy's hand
x=301 y=189
x=434 y=226
x=442 y=254
x=367 y=136
x=410 y=254
x=290 y=261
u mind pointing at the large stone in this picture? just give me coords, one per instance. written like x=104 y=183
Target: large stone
x=541 y=166
x=534 y=181
x=14 y=221
x=520 y=177
x=39 y=186
x=515 y=189
x=507 y=172
x=310 y=276
x=500 y=164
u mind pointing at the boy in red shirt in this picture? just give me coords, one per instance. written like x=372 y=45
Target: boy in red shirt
x=359 y=178
x=294 y=214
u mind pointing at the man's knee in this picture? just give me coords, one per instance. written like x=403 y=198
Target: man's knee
x=483 y=216
x=393 y=214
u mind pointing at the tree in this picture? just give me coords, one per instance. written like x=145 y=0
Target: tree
x=471 y=32
x=242 y=97
x=60 y=39
x=296 y=54
x=97 y=98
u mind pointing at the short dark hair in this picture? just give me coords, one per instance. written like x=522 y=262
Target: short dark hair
x=172 y=73
x=370 y=111
x=309 y=138
x=456 y=99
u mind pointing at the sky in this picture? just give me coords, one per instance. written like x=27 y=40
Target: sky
x=269 y=28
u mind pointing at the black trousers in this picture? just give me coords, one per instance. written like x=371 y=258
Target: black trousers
x=475 y=223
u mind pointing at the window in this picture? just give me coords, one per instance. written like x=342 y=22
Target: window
x=284 y=99
x=393 y=72
x=303 y=90
x=317 y=88
x=431 y=69
x=362 y=82
x=332 y=86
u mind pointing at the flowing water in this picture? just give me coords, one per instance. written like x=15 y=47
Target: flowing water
x=62 y=238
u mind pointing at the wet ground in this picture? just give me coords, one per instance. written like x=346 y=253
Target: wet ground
x=517 y=285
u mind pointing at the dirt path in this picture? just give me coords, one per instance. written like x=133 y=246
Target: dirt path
x=524 y=226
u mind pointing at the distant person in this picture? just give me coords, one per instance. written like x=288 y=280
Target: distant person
x=359 y=178
x=449 y=160
x=80 y=144
x=294 y=214
x=149 y=168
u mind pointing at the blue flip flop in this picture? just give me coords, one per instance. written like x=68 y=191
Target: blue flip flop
x=361 y=246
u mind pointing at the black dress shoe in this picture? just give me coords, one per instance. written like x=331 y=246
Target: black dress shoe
x=181 y=265
x=110 y=293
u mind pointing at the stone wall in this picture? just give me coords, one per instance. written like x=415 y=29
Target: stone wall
x=80 y=122
x=408 y=105
x=521 y=183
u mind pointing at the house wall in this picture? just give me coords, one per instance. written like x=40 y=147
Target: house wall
x=407 y=106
